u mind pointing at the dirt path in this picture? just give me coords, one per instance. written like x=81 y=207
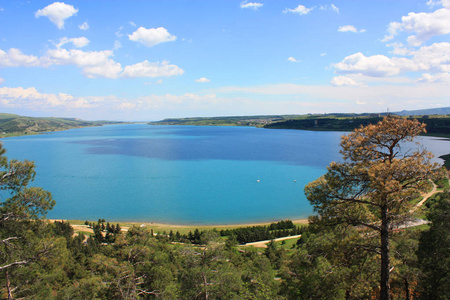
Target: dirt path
x=425 y=198
x=263 y=244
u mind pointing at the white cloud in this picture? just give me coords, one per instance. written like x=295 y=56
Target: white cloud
x=57 y=12
x=343 y=81
x=15 y=58
x=77 y=42
x=434 y=58
x=187 y=100
x=119 y=33
x=433 y=3
x=133 y=24
x=332 y=7
x=126 y=106
x=159 y=81
x=323 y=54
x=292 y=59
x=301 y=10
x=437 y=78
x=444 y=3
x=376 y=65
x=278 y=99
x=393 y=29
x=93 y=63
x=30 y=98
x=349 y=28
x=202 y=79
x=151 y=37
x=148 y=69
x=84 y=26
x=399 y=49
x=423 y=25
x=319 y=98
x=108 y=69
x=117 y=45
x=251 y=5
x=2 y=80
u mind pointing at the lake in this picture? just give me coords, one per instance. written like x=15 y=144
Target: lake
x=181 y=174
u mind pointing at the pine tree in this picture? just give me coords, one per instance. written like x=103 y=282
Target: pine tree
x=375 y=184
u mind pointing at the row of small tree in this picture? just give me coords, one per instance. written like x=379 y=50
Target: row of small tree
x=259 y=233
x=101 y=226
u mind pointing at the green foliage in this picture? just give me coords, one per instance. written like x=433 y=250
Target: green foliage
x=44 y=260
x=259 y=233
x=284 y=224
x=434 y=126
x=434 y=251
x=24 y=240
x=222 y=121
x=375 y=184
x=332 y=263
x=446 y=159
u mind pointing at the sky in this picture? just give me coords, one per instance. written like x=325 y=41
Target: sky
x=150 y=60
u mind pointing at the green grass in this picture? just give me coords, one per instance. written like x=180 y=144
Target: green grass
x=422 y=227
x=288 y=244
x=442 y=183
x=86 y=233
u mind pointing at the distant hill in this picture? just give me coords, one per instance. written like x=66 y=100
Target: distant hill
x=422 y=112
x=436 y=125
x=224 y=121
x=437 y=120
x=11 y=124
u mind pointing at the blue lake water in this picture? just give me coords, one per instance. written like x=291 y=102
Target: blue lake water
x=181 y=174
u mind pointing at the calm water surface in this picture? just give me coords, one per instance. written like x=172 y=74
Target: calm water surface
x=181 y=174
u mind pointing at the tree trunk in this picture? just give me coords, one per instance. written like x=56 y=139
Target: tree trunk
x=385 y=264
x=8 y=285
x=407 y=296
x=347 y=294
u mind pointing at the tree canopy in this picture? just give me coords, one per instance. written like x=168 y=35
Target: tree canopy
x=21 y=207
x=375 y=184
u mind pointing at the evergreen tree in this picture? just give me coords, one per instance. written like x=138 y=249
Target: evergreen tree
x=434 y=251
x=375 y=184
x=22 y=240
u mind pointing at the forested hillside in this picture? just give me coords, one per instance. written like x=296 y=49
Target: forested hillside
x=17 y=125
x=436 y=125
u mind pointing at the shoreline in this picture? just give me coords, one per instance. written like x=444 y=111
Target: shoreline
x=296 y=221
x=163 y=226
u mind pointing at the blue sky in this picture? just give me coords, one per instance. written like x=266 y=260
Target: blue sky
x=149 y=60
